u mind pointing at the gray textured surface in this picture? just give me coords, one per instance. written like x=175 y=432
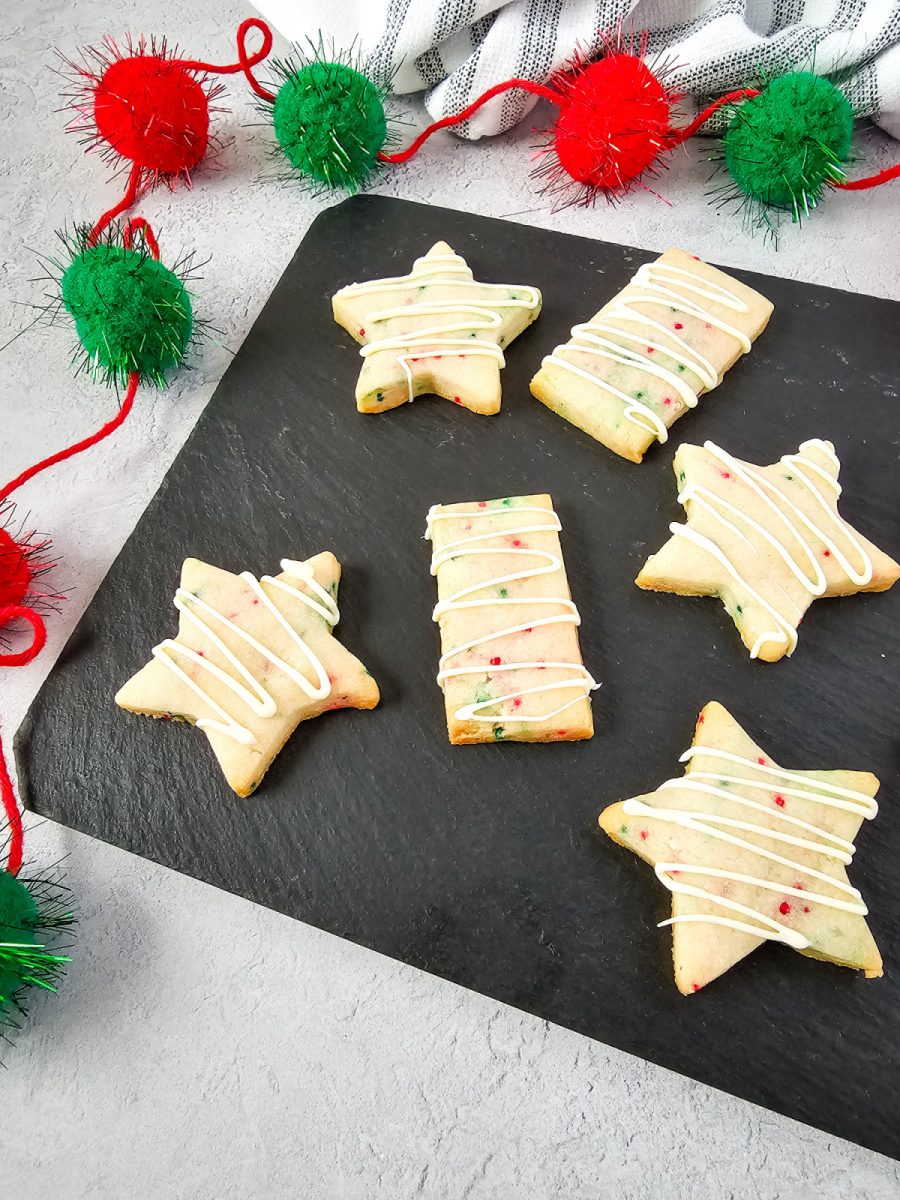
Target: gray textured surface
x=206 y=1048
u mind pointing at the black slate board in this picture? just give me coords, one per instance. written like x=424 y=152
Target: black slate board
x=484 y=864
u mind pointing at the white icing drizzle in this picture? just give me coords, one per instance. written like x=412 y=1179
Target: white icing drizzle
x=546 y=564
x=788 y=518
x=820 y=842
x=245 y=686
x=589 y=338
x=435 y=341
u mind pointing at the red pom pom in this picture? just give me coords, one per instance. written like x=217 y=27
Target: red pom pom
x=615 y=122
x=144 y=106
x=614 y=125
x=15 y=571
x=24 y=560
x=152 y=111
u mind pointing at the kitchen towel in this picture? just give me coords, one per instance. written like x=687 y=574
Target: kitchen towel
x=453 y=50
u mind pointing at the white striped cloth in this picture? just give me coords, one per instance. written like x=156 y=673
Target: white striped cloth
x=455 y=49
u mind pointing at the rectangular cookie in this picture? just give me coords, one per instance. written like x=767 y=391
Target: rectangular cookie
x=511 y=666
x=647 y=356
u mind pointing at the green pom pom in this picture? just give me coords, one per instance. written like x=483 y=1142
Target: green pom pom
x=24 y=960
x=784 y=146
x=330 y=122
x=131 y=313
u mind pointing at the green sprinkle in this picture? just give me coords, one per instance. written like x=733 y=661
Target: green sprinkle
x=638 y=395
x=739 y=610
x=681 y=366
x=503 y=592
x=498 y=733
x=789 y=477
x=507 y=501
x=623 y=829
x=681 y=476
x=379 y=395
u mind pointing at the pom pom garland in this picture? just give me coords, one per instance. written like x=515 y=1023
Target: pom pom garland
x=613 y=125
x=132 y=314
x=152 y=111
x=330 y=122
x=146 y=107
x=31 y=911
x=24 y=560
x=786 y=145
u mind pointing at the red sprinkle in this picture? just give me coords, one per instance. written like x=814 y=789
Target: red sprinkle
x=362 y=333
x=517 y=703
x=826 y=553
x=678 y=325
x=649 y=349
x=528 y=630
x=667 y=400
x=644 y=835
x=481 y=503
x=779 y=800
x=725 y=474
x=761 y=761
x=495 y=662
x=456 y=400
x=806 y=908
x=701 y=719
x=696 y=987
x=517 y=541
x=784 y=908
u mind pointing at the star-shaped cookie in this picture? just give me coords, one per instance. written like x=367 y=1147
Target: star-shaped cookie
x=251 y=660
x=752 y=852
x=436 y=330
x=766 y=540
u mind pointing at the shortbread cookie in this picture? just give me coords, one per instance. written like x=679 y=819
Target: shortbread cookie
x=752 y=853
x=644 y=359
x=511 y=666
x=766 y=540
x=435 y=330
x=252 y=659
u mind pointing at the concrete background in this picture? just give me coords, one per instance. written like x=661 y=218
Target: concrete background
x=205 y=1048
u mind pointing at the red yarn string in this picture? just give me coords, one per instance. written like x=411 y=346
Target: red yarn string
x=131 y=191
x=527 y=85
x=149 y=235
x=245 y=62
x=870 y=181
x=70 y=451
x=13 y=816
x=13 y=612
x=681 y=135
x=16 y=612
